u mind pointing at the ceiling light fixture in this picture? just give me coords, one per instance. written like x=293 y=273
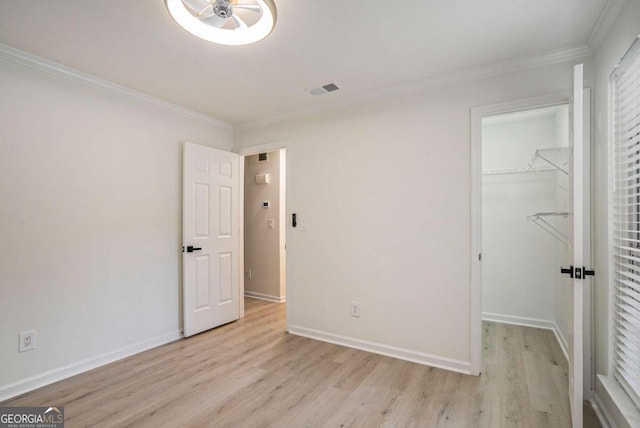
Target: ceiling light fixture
x=228 y=22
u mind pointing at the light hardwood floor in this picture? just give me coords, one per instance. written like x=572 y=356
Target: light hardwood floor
x=251 y=373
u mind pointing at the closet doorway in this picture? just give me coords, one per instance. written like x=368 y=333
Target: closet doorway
x=525 y=203
x=518 y=174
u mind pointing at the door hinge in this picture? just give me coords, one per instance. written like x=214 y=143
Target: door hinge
x=479 y=257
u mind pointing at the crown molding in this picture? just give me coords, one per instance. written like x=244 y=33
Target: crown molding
x=433 y=82
x=24 y=58
x=607 y=18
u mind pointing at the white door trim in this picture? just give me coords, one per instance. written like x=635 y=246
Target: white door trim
x=253 y=150
x=477 y=113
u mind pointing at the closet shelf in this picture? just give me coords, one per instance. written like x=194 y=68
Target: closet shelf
x=526 y=170
x=543 y=160
x=557 y=157
x=540 y=220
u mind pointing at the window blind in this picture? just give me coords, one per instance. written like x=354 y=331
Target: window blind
x=626 y=222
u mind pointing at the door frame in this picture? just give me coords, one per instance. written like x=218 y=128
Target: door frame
x=254 y=150
x=477 y=114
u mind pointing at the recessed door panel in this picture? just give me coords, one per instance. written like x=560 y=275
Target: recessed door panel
x=225 y=209
x=202 y=283
x=226 y=274
x=201 y=209
x=226 y=169
x=202 y=165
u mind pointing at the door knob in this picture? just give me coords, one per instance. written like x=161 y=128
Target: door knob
x=568 y=270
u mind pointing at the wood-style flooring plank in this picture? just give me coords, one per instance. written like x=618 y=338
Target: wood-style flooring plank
x=251 y=373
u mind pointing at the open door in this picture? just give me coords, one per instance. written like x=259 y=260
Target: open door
x=579 y=241
x=211 y=238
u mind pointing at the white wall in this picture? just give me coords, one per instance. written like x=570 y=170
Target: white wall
x=562 y=291
x=90 y=222
x=386 y=191
x=520 y=260
x=615 y=44
x=262 y=243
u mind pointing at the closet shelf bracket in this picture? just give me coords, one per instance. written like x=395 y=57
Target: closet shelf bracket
x=540 y=219
x=557 y=157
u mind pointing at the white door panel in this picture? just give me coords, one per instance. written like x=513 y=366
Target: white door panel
x=579 y=242
x=210 y=238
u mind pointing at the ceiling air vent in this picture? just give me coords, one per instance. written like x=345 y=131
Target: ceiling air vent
x=263 y=157
x=325 y=89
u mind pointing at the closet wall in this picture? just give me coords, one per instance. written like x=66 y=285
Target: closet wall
x=521 y=261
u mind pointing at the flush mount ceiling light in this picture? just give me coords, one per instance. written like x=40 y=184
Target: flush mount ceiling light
x=229 y=22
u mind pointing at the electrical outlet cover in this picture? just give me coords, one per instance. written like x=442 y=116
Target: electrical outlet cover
x=355 y=309
x=27 y=341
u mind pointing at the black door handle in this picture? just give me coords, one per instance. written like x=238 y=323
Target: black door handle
x=568 y=270
x=191 y=249
x=588 y=272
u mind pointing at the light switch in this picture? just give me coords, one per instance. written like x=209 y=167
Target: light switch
x=303 y=224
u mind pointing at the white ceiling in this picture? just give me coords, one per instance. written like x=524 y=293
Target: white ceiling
x=364 y=45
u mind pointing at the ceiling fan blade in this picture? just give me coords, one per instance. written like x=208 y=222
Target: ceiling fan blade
x=238 y=22
x=251 y=7
x=214 y=21
x=199 y=8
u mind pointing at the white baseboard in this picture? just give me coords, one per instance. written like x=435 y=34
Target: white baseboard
x=523 y=321
x=267 y=297
x=616 y=409
x=389 y=351
x=601 y=412
x=530 y=322
x=55 y=375
x=564 y=345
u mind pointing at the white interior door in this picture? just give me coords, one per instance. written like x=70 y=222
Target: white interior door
x=579 y=241
x=210 y=238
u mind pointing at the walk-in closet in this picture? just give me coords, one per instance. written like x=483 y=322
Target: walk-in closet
x=525 y=182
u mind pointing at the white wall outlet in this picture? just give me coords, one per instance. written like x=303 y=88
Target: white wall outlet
x=27 y=341
x=355 y=309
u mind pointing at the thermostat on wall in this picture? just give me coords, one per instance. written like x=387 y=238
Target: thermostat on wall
x=262 y=179
x=266 y=204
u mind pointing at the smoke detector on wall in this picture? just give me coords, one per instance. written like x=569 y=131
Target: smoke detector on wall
x=324 y=89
